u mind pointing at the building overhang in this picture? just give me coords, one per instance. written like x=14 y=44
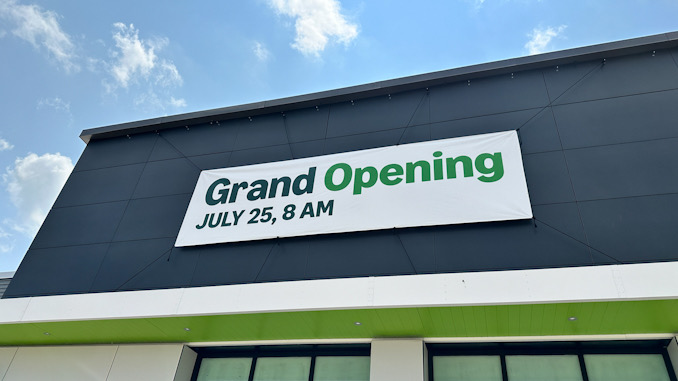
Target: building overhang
x=617 y=301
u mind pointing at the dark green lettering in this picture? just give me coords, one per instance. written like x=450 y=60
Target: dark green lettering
x=308 y=210
x=258 y=191
x=237 y=186
x=322 y=208
x=309 y=178
x=209 y=197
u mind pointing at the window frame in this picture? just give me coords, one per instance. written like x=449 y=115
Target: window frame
x=578 y=348
x=259 y=351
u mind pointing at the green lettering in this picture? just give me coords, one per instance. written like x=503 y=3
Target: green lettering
x=497 y=168
x=329 y=177
x=388 y=174
x=425 y=171
x=466 y=163
x=360 y=181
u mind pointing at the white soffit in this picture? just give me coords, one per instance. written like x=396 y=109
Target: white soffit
x=561 y=285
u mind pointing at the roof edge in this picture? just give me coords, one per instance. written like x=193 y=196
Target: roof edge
x=586 y=53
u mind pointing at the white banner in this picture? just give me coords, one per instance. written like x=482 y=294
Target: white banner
x=452 y=181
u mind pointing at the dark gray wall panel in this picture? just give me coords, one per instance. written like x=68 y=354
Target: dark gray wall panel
x=623 y=170
x=307 y=124
x=167 y=177
x=514 y=245
x=307 y=149
x=374 y=114
x=156 y=217
x=212 y=161
x=288 y=260
x=487 y=96
x=423 y=113
x=262 y=131
x=364 y=253
x=80 y=225
x=547 y=178
x=416 y=134
x=68 y=270
x=171 y=270
x=164 y=150
x=235 y=263
x=363 y=141
x=564 y=218
x=125 y=260
x=419 y=244
x=203 y=139
x=561 y=79
x=482 y=124
x=616 y=227
x=618 y=120
x=260 y=155
x=625 y=76
x=116 y=151
x=540 y=134
x=100 y=185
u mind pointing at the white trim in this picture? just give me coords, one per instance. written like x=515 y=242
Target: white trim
x=517 y=339
x=560 y=285
x=7 y=274
x=433 y=340
x=276 y=342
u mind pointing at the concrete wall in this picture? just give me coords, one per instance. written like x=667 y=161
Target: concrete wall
x=397 y=360
x=158 y=362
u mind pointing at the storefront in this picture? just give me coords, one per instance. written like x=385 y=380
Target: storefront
x=505 y=221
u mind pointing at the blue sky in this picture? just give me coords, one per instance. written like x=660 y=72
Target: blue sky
x=69 y=66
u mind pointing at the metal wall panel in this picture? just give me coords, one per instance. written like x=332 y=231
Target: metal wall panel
x=598 y=142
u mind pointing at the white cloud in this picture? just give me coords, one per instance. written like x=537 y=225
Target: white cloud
x=317 y=21
x=6 y=242
x=5 y=145
x=136 y=59
x=41 y=29
x=33 y=185
x=260 y=51
x=56 y=103
x=540 y=38
x=177 y=102
x=136 y=65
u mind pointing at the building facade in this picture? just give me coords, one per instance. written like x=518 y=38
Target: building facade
x=583 y=287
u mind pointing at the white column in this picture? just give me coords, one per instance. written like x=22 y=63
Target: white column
x=186 y=364
x=397 y=360
x=673 y=353
x=6 y=357
x=149 y=362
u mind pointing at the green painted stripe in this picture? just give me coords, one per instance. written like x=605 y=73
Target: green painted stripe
x=594 y=318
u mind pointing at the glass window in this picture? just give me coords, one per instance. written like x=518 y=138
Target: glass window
x=225 y=369
x=543 y=368
x=282 y=369
x=342 y=368
x=626 y=367
x=467 y=368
